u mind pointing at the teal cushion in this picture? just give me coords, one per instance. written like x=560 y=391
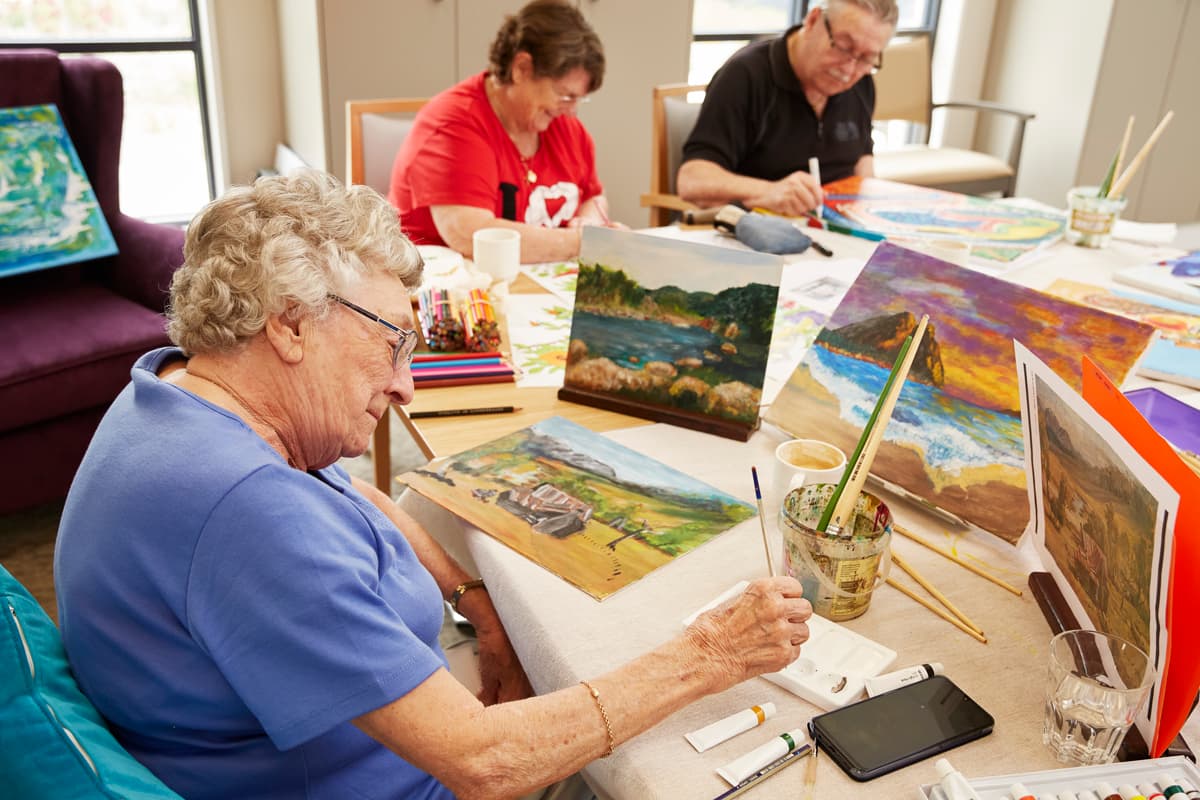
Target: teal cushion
x=53 y=742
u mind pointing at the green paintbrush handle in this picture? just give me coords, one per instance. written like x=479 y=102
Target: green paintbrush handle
x=827 y=514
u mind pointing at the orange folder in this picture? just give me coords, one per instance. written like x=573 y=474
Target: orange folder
x=1181 y=673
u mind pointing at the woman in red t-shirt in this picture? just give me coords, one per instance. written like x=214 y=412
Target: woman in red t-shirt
x=503 y=148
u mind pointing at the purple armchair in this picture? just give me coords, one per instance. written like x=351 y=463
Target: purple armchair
x=69 y=335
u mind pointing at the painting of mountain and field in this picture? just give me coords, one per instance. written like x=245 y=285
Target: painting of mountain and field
x=595 y=513
x=954 y=439
x=672 y=331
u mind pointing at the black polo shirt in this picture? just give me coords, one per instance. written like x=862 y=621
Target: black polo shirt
x=756 y=120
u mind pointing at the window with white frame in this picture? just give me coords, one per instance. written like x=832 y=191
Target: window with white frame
x=721 y=27
x=166 y=154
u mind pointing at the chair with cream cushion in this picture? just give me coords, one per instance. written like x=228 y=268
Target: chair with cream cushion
x=674 y=108
x=903 y=92
x=375 y=129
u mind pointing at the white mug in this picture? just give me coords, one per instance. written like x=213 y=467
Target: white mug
x=799 y=462
x=497 y=251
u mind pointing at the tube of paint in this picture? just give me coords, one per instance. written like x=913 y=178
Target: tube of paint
x=1170 y=786
x=741 y=768
x=952 y=781
x=1019 y=792
x=1107 y=792
x=724 y=729
x=1129 y=793
x=1149 y=791
x=901 y=677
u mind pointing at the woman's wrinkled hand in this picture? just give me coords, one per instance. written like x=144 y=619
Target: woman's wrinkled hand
x=760 y=631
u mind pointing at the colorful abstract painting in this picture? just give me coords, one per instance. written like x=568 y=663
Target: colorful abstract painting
x=671 y=330
x=592 y=511
x=997 y=232
x=954 y=439
x=49 y=215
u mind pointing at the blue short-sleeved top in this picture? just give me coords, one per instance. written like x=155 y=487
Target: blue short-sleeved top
x=230 y=615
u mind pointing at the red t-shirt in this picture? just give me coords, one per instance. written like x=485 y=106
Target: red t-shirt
x=458 y=153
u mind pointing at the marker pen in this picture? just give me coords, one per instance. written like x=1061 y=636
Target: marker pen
x=741 y=768
x=725 y=729
x=901 y=677
x=1107 y=792
x=1129 y=793
x=1170 y=786
x=1150 y=791
x=1019 y=792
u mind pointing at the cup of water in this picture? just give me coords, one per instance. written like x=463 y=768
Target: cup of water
x=1096 y=686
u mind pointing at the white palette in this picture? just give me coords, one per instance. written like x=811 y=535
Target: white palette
x=833 y=665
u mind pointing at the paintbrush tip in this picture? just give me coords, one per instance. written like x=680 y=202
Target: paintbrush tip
x=757 y=490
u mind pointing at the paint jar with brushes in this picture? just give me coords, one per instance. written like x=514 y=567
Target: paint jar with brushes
x=838 y=569
x=1093 y=210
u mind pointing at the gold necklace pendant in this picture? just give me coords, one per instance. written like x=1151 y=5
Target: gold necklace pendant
x=530 y=175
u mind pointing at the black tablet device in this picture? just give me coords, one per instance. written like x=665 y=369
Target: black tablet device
x=883 y=733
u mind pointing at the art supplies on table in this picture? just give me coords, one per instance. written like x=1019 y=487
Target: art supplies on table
x=460 y=369
x=1106 y=498
x=454 y=320
x=1173 y=419
x=999 y=233
x=1175 y=356
x=955 y=439
x=1159 y=772
x=1158 y=278
x=594 y=512
x=672 y=331
x=834 y=663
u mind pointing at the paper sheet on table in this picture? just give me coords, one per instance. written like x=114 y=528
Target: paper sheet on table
x=1149 y=232
x=1102 y=520
x=557 y=277
x=539 y=326
x=1181 y=677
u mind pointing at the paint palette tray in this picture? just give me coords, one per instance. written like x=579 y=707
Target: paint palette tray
x=833 y=665
x=1078 y=780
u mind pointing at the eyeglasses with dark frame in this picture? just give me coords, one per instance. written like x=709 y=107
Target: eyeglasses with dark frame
x=402 y=350
x=872 y=65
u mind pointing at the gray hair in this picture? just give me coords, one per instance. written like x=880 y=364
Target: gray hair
x=883 y=10
x=281 y=244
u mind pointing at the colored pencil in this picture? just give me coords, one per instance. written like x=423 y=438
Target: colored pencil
x=456 y=362
x=462 y=412
x=843 y=511
x=427 y=357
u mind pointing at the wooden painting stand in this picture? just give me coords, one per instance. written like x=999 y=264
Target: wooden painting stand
x=1060 y=618
x=684 y=419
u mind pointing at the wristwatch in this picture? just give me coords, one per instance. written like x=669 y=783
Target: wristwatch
x=462 y=589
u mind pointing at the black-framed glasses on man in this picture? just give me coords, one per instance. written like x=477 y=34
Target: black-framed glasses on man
x=402 y=350
x=871 y=63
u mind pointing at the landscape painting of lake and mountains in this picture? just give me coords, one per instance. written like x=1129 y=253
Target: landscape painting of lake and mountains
x=954 y=439
x=672 y=331
x=592 y=511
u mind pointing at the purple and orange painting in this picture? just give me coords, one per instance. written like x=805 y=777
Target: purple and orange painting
x=954 y=439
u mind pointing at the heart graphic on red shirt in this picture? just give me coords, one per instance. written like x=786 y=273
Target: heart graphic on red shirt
x=551 y=206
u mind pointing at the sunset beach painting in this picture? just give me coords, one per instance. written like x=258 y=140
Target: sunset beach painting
x=954 y=440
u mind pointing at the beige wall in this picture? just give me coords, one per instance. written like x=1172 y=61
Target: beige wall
x=245 y=74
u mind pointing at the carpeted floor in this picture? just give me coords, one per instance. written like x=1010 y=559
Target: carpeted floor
x=27 y=537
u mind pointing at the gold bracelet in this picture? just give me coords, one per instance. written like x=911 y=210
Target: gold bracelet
x=612 y=740
x=462 y=589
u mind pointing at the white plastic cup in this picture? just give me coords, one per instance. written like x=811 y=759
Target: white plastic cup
x=497 y=252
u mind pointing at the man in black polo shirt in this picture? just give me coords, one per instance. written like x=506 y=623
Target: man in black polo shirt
x=775 y=104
